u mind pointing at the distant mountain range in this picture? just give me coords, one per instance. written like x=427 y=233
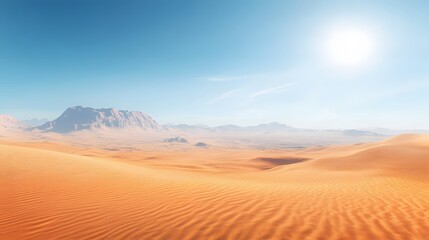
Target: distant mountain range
x=265 y=127
x=276 y=127
x=86 y=118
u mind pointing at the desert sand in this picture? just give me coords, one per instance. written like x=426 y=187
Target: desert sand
x=363 y=191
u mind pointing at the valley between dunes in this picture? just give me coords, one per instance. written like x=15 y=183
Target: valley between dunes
x=365 y=191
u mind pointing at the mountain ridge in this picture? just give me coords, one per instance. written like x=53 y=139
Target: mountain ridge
x=86 y=118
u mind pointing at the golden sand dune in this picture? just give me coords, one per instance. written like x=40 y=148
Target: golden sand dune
x=407 y=154
x=367 y=191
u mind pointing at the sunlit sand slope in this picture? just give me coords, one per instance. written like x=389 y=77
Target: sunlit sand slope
x=374 y=191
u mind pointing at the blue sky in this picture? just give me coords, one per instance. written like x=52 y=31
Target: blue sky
x=216 y=62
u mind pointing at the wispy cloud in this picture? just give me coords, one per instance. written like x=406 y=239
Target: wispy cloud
x=223 y=78
x=225 y=95
x=277 y=89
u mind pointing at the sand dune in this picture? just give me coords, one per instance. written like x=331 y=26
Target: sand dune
x=407 y=154
x=366 y=191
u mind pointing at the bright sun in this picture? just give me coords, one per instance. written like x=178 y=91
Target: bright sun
x=350 y=47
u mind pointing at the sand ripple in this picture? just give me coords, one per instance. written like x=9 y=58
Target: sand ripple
x=50 y=195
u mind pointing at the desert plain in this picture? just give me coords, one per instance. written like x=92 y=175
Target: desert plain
x=54 y=190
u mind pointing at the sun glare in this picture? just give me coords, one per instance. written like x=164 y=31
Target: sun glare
x=349 y=47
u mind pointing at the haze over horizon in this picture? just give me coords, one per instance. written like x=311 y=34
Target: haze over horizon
x=220 y=62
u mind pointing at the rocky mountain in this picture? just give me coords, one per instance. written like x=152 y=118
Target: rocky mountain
x=81 y=118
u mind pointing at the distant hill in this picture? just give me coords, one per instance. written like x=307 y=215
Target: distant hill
x=34 y=122
x=201 y=144
x=360 y=133
x=265 y=127
x=81 y=118
x=187 y=127
x=176 y=140
x=9 y=122
x=274 y=126
x=229 y=127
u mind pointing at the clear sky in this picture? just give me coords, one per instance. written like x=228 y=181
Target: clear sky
x=220 y=61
